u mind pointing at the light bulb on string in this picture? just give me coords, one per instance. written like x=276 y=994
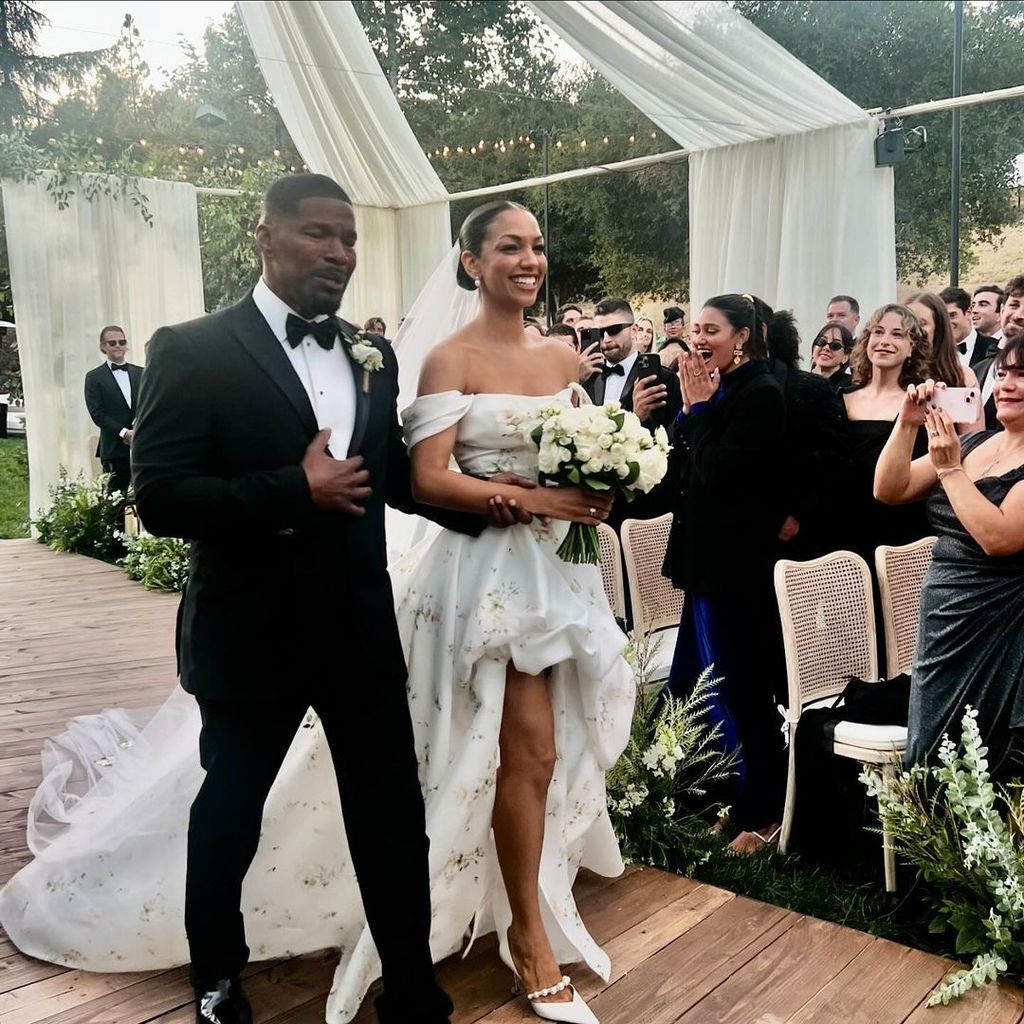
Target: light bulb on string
x=142 y=142
x=533 y=145
x=583 y=144
x=472 y=150
x=654 y=135
x=632 y=138
x=240 y=150
x=459 y=150
x=606 y=140
x=558 y=144
x=99 y=141
x=182 y=150
x=200 y=151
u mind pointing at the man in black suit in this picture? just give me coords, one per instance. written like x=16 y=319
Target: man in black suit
x=268 y=435
x=1011 y=316
x=620 y=380
x=972 y=346
x=111 y=392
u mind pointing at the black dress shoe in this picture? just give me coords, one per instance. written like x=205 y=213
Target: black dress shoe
x=225 y=1004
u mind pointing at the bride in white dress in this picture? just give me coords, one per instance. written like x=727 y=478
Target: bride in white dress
x=520 y=701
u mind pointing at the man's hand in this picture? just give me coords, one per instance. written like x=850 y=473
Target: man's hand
x=648 y=397
x=335 y=484
x=508 y=512
x=127 y=436
x=591 y=360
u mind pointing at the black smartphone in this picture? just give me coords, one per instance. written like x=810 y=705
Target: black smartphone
x=588 y=335
x=647 y=364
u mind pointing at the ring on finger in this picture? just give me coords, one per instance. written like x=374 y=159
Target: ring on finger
x=592 y=511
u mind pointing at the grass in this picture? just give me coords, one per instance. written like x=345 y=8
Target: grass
x=13 y=488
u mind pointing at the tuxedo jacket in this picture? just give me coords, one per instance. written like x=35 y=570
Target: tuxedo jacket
x=659 y=500
x=281 y=595
x=108 y=409
x=981 y=371
x=984 y=348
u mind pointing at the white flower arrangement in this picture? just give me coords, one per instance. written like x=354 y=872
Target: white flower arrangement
x=966 y=839
x=602 y=447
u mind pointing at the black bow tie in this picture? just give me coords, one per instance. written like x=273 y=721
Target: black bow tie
x=324 y=332
x=115 y=366
x=612 y=368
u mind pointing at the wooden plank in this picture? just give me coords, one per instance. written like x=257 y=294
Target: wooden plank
x=991 y=1004
x=884 y=982
x=786 y=975
x=683 y=972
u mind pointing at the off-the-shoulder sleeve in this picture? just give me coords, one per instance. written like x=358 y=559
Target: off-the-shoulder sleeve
x=433 y=414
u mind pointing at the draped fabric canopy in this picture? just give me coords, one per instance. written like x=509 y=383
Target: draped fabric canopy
x=785 y=199
x=346 y=122
x=75 y=271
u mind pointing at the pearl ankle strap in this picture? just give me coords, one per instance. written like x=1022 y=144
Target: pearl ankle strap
x=553 y=991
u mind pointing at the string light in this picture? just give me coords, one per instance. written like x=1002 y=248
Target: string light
x=142 y=142
x=99 y=141
x=240 y=150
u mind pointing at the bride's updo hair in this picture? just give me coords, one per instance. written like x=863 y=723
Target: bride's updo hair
x=474 y=231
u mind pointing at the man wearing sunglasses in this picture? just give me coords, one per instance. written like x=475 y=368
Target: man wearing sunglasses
x=625 y=378
x=111 y=393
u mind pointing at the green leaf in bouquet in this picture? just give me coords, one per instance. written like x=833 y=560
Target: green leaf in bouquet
x=573 y=475
x=537 y=434
x=634 y=473
x=618 y=419
x=596 y=484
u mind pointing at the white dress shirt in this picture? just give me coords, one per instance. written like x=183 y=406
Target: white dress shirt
x=614 y=384
x=123 y=381
x=326 y=374
x=969 y=342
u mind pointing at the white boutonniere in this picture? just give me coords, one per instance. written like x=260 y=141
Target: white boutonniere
x=366 y=354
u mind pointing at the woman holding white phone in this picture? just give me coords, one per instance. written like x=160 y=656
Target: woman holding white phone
x=970 y=648
x=944 y=364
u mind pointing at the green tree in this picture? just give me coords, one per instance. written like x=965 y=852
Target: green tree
x=27 y=77
x=884 y=54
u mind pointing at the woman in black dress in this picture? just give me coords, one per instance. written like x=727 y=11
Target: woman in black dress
x=723 y=545
x=889 y=356
x=970 y=647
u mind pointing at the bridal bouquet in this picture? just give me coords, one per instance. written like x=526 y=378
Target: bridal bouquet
x=602 y=447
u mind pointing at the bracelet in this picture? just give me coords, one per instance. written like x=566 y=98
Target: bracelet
x=952 y=469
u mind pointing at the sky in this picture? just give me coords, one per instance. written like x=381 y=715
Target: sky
x=95 y=24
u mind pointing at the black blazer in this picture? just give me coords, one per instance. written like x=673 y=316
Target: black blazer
x=281 y=594
x=984 y=348
x=659 y=500
x=981 y=371
x=729 y=504
x=108 y=409
x=812 y=449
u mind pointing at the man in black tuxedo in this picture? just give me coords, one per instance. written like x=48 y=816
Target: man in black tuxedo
x=267 y=434
x=972 y=346
x=620 y=380
x=111 y=393
x=1011 y=316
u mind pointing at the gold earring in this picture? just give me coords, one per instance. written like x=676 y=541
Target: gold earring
x=737 y=355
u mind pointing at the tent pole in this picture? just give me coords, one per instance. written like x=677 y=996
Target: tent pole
x=954 y=191
x=547 y=235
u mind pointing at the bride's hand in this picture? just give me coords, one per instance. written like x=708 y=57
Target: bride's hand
x=508 y=511
x=573 y=504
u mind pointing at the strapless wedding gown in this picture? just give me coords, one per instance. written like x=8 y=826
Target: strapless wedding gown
x=105 y=891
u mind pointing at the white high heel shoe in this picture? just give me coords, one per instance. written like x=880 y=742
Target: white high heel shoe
x=574 y=1012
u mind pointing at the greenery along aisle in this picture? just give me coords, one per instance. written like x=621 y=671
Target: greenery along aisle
x=13 y=488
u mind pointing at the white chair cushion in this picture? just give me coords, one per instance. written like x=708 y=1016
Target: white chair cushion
x=871 y=737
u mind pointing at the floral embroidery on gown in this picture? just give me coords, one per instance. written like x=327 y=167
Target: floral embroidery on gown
x=108 y=824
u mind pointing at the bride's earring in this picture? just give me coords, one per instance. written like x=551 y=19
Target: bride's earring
x=737 y=355
x=476 y=282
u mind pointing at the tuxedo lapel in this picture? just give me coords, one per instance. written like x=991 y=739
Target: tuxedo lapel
x=255 y=336
x=364 y=387
x=599 y=382
x=135 y=381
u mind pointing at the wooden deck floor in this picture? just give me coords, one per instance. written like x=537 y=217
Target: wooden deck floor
x=77 y=636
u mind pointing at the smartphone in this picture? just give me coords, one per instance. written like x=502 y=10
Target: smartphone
x=647 y=364
x=588 y=335
x=960 y=404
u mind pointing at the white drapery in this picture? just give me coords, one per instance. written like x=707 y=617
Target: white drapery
x=785 y=200
x=346 y=122
x=73 y=272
